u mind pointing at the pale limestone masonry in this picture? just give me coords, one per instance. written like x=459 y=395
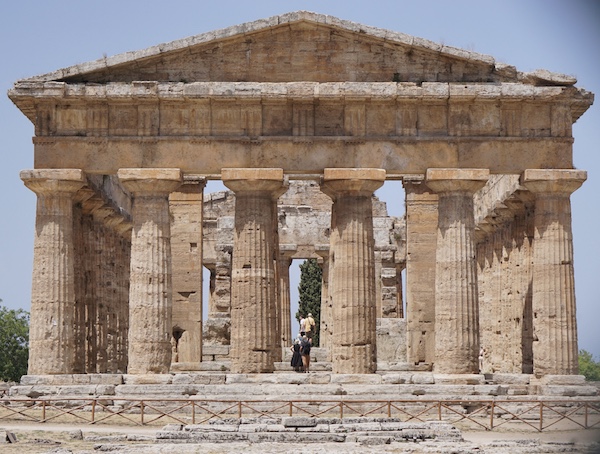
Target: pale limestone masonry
x=186 y=211
x=421 y=241
x=150 y=299
x=304 y=221
x=456 y=316
x=281 y=99
x=504 y=255
x=320 y=385
x=352 y=262
x=255 y=328
x=307 y=430
x=553 y=301
x=53 y=295
x=218 y=223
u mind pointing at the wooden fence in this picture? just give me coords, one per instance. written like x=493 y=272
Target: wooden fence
x=567 y=414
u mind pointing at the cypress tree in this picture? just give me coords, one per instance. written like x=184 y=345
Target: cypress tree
x=309 y=291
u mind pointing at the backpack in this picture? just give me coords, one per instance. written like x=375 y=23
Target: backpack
x=305 y=347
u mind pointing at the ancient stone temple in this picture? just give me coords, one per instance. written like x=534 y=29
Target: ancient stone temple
x=322 y=111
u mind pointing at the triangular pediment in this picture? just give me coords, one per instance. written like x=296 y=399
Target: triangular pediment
x=293 y=47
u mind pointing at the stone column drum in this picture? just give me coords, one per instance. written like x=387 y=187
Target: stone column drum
x=326 y=328
x=255 y=327
x=150 y=299
x=186 y=206
x=456 y=296
x=284 y=264
x=553 y=304
x=421 y=233
x=52 y=329
x=352 y=268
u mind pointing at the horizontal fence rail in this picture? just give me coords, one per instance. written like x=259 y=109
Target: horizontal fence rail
x=465 y=413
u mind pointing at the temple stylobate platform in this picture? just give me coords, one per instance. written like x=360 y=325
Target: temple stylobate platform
x=123 y=148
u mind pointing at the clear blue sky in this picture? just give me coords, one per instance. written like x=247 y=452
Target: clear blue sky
x=41 y=36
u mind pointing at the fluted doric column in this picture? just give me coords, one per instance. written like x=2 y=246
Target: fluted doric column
x=456 y=295
x=352 y=261
x=255 y=328
x=52 y=330
x=150 y=299
x=186 y=206
x=284 y=316
x=421 y=233
x=326 y=328
x=553 y=303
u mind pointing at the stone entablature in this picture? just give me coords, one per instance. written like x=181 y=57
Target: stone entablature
x=252 y=109
x=455 y=125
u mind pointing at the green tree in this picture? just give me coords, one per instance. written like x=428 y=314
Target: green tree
x=14 y=343
x=588 y=367
x=309 y=291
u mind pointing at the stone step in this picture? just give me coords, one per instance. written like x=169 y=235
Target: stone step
x=316 y=354
x=297 y=429
x=204 y=366
x=315 y=366
x=286 y=385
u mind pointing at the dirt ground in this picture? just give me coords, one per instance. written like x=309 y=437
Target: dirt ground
x=64 y=438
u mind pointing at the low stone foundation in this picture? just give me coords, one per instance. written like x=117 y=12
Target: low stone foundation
x=318 y=385
x=368 y=431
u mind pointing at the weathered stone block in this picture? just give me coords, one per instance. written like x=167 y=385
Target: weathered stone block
x=422 y=379
x=172 y=435
x=195 y=428
x=391 y=339
x=199 y=379
x=395 y=378
x=459 y=379
x=232 y=379
x=511 y=379
x=298 y=421
x=215 y=366
x=367 y=379
x=29 y=380
x=217 y=437
x=568 y=390
x=490 y=390
x=374 y=440
x=319 y=428
x=148 y=379
x=295 y=437
x=518 y=390
x=319 y=379
x=219 y=350
x=156 y=390
x=7 y=437
x=559 y=380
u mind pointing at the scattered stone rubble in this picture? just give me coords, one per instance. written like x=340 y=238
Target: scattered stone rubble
x=367 y=431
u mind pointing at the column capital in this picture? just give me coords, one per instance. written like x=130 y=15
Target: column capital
x=357 y=182
x=456 y=180
x=413 y=179
x=565 y=181
x=150 y=181
x=268 y=180
x=49 y=181
x=191 y=190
